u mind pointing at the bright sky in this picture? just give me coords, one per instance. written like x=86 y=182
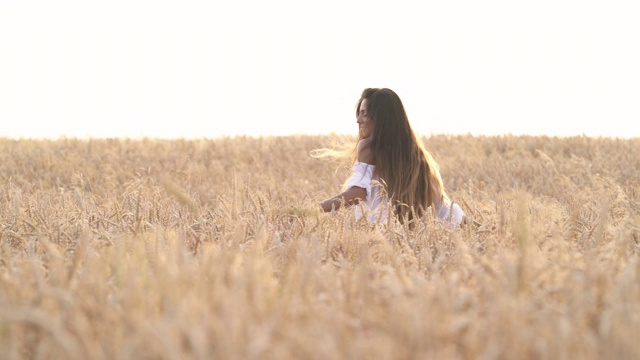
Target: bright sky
x=180 y=68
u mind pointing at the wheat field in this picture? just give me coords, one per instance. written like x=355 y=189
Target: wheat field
x=203 y=249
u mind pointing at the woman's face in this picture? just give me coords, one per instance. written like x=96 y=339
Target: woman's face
x=366 y=124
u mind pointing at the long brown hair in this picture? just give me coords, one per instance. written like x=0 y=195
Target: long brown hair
x=407 y=170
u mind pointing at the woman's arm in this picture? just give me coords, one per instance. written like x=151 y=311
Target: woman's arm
x=354 y=194
x=351 y=196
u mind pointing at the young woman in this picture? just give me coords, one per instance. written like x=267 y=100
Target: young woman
x=393 y=173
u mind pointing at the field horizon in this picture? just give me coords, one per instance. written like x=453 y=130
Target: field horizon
x=115 y=248
x=307 y=135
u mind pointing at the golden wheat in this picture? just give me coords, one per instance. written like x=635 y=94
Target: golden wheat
x=198 y=249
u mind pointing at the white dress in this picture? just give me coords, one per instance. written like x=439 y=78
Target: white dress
x=376 y=203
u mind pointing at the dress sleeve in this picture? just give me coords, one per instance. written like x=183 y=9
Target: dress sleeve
x=446 y=212
x=361 y=177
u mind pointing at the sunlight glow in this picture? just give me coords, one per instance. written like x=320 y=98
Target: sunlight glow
x=195 y=68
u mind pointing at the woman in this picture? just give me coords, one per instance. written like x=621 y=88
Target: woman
x=392 y=167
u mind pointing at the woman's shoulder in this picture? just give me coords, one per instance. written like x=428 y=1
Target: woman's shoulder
x=365 y=155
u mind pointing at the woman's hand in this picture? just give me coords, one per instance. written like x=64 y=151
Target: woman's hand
x=351 y=196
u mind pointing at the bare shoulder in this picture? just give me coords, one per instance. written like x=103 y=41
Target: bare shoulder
x=365 y=154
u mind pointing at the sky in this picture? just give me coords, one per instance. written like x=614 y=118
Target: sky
x=189 y=69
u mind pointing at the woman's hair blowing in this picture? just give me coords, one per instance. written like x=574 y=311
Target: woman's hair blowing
x=408 y=171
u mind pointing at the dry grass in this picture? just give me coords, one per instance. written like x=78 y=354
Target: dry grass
x=182 y=249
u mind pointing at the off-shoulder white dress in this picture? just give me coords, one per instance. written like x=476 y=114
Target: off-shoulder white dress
x=376 y=204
